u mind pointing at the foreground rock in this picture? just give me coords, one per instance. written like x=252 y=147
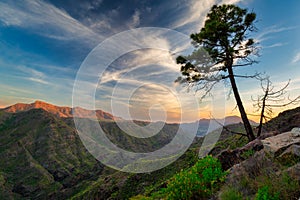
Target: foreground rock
x=277 y=144
x=275 y=164
x=229 y=158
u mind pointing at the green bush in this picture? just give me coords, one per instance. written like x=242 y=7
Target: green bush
x=247 y=154
x=264 y=194
x=198 y=181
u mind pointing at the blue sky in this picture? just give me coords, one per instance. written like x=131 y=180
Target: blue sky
x=44 y=43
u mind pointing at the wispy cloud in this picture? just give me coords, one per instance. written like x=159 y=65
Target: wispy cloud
x=32 y=75
x=15 y=90
x=44 y=19
x=196 y=13
x=268 y=36
x=135 y=19
x=267 y=32
x=39 y=80
x=296 y=58
x=29 y=71
x=280 y=44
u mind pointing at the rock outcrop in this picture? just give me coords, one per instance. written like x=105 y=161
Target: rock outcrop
x=276 y=145
x=276 y=156
x=228 y=157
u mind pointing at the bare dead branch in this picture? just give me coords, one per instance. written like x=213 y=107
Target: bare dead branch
x=271 y=99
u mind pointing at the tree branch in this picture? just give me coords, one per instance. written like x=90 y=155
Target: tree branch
x=228 y=130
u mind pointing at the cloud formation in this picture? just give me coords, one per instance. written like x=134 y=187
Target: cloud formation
x=296 y=58
x=45 y=19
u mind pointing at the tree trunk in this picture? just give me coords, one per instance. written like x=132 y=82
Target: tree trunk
x=262 y=115
x=239 y=102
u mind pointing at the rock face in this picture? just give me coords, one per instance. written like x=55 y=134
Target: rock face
x=295 y=132
x=228 y=158
x=277 y=144
x=252 y=166
x=279 y=156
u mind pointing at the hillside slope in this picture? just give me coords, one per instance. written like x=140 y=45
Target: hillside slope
x=40 y=155
x=285 y=121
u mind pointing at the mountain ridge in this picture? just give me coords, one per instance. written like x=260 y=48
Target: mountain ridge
x=60 y=111
x=231 y=119
x=42 y=155
x=68 y=112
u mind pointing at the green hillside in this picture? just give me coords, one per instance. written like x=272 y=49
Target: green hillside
x=41 y=156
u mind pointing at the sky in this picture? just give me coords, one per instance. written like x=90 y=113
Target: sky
x=46 y=47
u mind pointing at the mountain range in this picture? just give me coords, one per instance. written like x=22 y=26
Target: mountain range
x=63 y=112
x=67 y=112
x=42 y=156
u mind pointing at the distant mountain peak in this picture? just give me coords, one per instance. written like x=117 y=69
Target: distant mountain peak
x=232 y=119
x=236 y=119
x=59 y=111
x=39 y=102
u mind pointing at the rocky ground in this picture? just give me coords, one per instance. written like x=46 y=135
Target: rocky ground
x=272 y=162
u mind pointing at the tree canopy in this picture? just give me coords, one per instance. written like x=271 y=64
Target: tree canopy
x=222 y=44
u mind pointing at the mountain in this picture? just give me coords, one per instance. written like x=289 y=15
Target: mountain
x=63 y=112
x=285 y=121
x=208 y=125
x=235 y=120
x=67 y=112
x=42 y=156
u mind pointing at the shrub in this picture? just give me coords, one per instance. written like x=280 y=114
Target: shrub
x=282 y=185
x=247 y=154
x=198 y=181
x=264 y=194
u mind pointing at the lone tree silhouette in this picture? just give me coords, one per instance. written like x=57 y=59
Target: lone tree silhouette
x=272 y=98
x=221 y=45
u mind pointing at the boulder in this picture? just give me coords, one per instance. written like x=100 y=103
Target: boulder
x=268 y=134
x=295 y=132
x=252 y=167
x=228 y=158
x=255 y=145
x=273 y=158
x=276 y=145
